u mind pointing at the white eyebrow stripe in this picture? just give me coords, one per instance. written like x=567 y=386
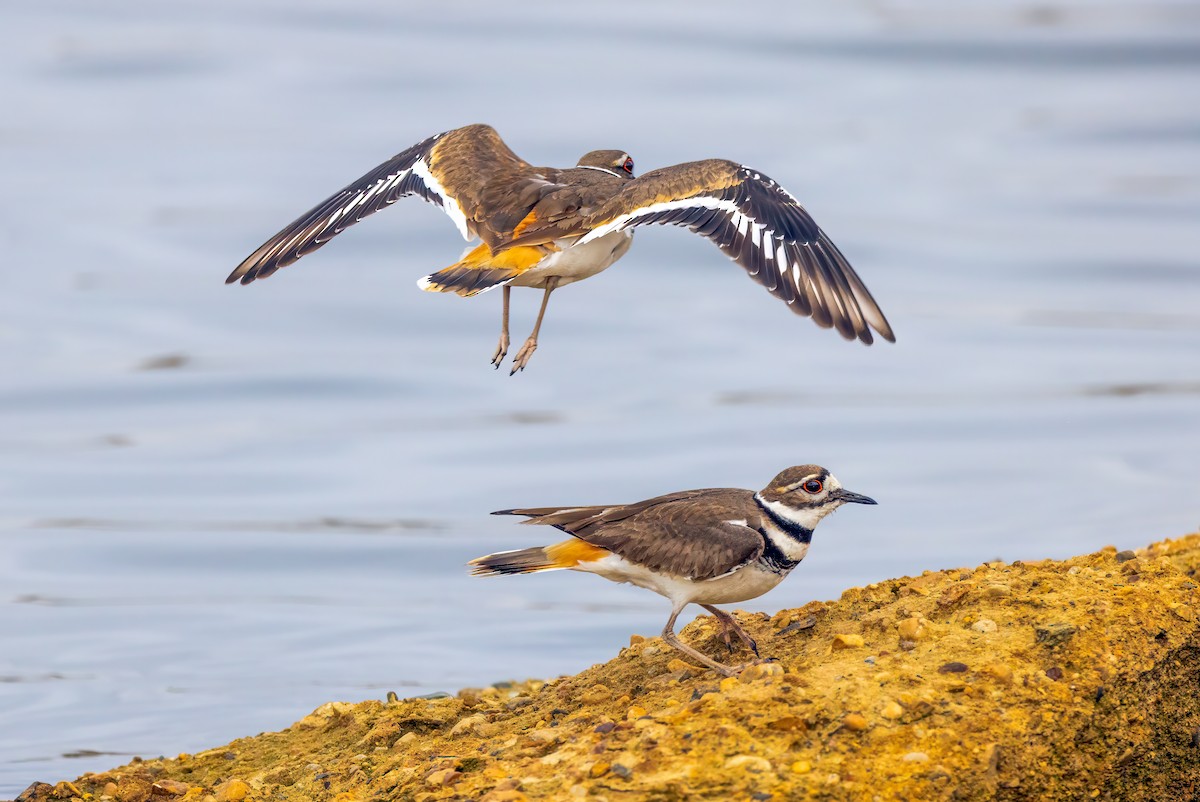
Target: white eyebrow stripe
x=601 y=169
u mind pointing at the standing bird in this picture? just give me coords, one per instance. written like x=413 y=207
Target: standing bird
x=545 y=227
x=705 y=547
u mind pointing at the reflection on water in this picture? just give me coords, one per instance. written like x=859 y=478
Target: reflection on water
x=226 y=506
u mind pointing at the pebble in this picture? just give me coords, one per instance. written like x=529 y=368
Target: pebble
x=802 y=767
x=477 y=724
x=232 y=791
x=847 y=641
x=799 y=626
x=132 y=789
x=1000 y=671
x=169 y=788
x=442 y=777
x=916 y=757
x=637 y=711
x=761 y=671
x=856 y=722
x=1055 y=673
x=504 y=795
x=911 y=629
x=1126 y=556
x=634 y=640
x=953 y=668
x=985 y=625
x=751 y=763
x=892 y=711
x=997 y=591
x=596 y=694
x=544 y=735
x=599 y=769
x=677 y=665
x=622 y=771
x=1054 y=634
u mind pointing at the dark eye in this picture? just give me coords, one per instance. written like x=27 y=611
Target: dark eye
x=813 y=486
x=628 y=166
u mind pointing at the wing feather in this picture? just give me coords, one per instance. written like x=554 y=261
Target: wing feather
x=759 y=225
x=449 y=170
x=688 y=534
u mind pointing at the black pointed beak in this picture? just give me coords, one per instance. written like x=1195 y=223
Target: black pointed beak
x=852 y=498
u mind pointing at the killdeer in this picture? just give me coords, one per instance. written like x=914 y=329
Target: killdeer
x=702 y=547
x=545 y=227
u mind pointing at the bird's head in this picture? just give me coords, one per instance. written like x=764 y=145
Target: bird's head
x=807 y=493
x=617 y=162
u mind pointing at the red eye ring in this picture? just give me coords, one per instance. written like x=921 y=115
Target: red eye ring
x=813 y=486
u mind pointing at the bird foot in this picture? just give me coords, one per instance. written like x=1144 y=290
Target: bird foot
x=501 y=350
x=729 y=628
x=522 y=357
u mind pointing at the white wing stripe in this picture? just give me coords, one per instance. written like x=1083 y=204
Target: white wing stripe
x=701 y=201
x=449 y=204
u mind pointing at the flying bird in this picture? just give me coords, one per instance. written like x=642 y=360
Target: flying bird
x=547 y=227
x=703 y=547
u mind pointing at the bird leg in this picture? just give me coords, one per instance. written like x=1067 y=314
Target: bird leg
x=669 y=636
x=729 y=624
x=522 y=357
x=502 y=348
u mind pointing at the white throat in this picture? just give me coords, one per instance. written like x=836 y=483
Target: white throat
x=807 y=517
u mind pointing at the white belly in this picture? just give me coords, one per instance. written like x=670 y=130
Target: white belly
x=747 y=582
x=578 y=261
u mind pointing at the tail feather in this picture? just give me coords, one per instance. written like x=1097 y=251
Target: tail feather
x=480 y=270
x=520 y=561
x=568 y=554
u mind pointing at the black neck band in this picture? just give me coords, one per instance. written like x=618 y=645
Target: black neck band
x=794 y=530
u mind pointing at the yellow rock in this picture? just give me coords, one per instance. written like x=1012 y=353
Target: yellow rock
x=442 y=777
x=476 y=724
x=912 y=628
x=855 y=721
x=848 y=641
x=675 y=664
x=170 y=788
x=637 y=711
x=802 y=767
x=999 y=671
x=504 y=795
x=597 y=694
x=891 y=710
x=233 y=790
x=997 y=591
x=751 y=763
x=599 y=769
x=760 y=671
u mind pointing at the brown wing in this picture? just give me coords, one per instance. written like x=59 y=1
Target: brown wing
x=694 y=534
x=453 y=170
x=758 y=224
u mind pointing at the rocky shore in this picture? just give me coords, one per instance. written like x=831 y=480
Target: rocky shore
x=1075 y=679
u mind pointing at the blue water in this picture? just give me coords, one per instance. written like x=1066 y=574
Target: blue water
x=222 y=506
